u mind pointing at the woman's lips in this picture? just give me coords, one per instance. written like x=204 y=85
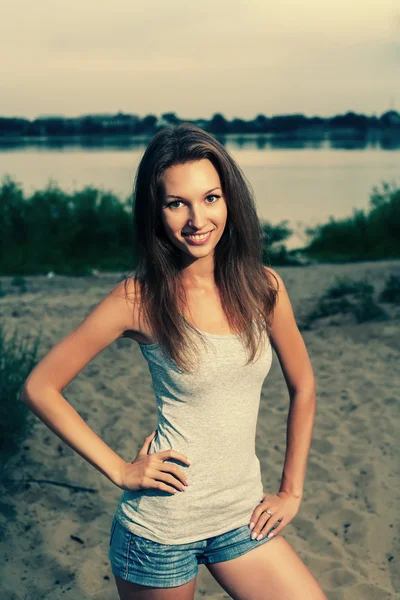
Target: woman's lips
x=198 y=242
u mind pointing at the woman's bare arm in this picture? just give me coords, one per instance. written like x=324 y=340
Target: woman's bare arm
x=293 y=357
x=42 y=389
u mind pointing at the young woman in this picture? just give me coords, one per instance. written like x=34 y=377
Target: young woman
x=206 y=313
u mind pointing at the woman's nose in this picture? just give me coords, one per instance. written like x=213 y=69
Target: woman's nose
x=197 y=218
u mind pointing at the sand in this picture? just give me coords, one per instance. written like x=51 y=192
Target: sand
x=54 y=540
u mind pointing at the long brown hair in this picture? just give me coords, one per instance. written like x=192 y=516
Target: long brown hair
x=245 y=288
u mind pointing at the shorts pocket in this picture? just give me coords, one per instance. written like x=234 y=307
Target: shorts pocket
x=113 y=526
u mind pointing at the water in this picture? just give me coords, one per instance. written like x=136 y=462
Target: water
x=304 y=183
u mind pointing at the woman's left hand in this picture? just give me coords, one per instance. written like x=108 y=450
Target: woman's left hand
x=283 y=507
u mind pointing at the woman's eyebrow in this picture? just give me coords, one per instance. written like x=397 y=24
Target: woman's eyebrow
x=181 y=198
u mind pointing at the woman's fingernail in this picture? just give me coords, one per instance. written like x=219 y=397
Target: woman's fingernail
x=270 y=535
x=251 y=525
x=260 y=537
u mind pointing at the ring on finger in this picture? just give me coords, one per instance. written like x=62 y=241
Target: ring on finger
x=269 y=511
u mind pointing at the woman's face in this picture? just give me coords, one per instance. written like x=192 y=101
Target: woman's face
x=199 y=209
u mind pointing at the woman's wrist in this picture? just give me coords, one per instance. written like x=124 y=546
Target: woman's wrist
x=294 y=493
x=116 y=474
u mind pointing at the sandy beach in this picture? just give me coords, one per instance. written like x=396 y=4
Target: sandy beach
x=54 y=539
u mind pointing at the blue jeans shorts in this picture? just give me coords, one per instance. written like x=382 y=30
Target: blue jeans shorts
x=145 y=562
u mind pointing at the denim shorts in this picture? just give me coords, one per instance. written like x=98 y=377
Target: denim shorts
x=145 y=562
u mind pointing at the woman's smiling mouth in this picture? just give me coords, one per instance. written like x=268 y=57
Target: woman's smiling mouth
x=198 y=239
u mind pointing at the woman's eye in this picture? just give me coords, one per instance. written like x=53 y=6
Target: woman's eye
x=171 y=203
x=212 y=196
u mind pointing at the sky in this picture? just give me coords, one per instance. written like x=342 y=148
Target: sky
x=240 y=58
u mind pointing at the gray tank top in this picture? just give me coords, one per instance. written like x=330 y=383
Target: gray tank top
x=210 y=416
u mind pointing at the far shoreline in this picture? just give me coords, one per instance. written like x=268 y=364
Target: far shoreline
x=318 y=138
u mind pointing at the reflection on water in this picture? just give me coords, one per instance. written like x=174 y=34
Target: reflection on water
x=388 y=141
x=77 y=142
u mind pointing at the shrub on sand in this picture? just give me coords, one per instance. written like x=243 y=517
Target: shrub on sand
x=391 y=291
x=347 y=297
x=17 y=359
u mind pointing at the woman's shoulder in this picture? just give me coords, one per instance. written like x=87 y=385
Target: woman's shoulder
x=128 y=292
x=126 y=296
x=127 y=289
x=131 y=288
x=274 y=277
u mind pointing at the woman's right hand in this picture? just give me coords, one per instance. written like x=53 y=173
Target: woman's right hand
x=149 y=471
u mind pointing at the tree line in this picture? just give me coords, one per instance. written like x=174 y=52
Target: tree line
x=132 y=124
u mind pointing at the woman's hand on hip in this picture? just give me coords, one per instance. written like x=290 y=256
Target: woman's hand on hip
x=151 y=471
x=281 y=507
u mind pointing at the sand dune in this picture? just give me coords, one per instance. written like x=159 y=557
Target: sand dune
x=54 y=540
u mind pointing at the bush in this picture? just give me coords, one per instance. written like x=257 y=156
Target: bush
x=363 y=236
x=69 y=234
x=391 y=291
x=274 y=251
x=348 y=296
x=17 y=360
x=19 y=282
